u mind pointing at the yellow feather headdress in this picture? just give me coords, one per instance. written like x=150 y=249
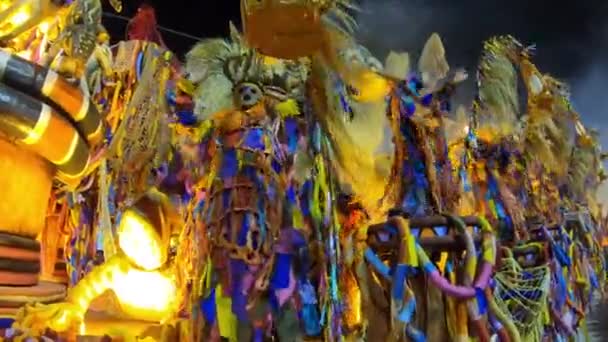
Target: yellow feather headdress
x=215 y=66
x=584 y=167
x=497 y=106
x=545 y=131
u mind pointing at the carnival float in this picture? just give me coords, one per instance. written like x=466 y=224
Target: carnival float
x=284 y=184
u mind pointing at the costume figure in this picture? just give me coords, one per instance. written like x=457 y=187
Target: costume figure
x=251 y=136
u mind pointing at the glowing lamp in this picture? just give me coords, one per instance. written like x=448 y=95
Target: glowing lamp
x=144 y=233
x=287 y=29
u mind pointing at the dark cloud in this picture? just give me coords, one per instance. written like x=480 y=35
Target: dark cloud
x=571 y=38
x=564 y=31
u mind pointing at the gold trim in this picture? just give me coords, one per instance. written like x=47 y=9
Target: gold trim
x=70 y=179
x=98 y=132
x=40 y=127
x=49 y=82
x=68 y=156
x=84 y=109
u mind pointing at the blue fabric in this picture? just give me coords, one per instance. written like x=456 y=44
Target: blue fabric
x=280 y=276
x=465 y=180
x=312 y=322
x=208 y=308
x=306 y=192
x=375 y=261
x=561 y=256
x=6 y=323
x=500 y=210
x=291 y=130
x=415 y=201
x=262 y=218
x=108 y=133
x=399 y=276
x=170 y=96
x=481 y=300
x=593 y=279
x=186 y=117
x=254 y=138
x=427 y=100
x=415 y=232
x=414 y=334
x=298 y=240
x=429 y=267
x=239 y=300
x=291 y=194
x=276 y=166
x=441 y=231
x=242 y=234
x=316 y=138
x=449 y=268
x=406 y=314
x=409 y=108
x=496 y=325
x=273 y=301
x=239 y=305
x=341 y=91
x=307 y=293
x=230 y=164
x=139 y=65
x=258 y=335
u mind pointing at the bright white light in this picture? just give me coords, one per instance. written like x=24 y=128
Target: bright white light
x=146 y=295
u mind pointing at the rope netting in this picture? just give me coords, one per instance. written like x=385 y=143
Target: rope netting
x=521 y=293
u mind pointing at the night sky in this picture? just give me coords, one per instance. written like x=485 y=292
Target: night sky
x=571 y=37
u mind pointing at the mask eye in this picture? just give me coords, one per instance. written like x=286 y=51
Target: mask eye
x=247 y=95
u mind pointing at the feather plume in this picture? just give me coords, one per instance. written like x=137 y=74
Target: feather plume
x=432 y=64
x=216 y=65
x=548 y=131
x=584 y=168
x=353 y=147
x=397 y=65
x=205 y=67
x=207 y=63
x=498 y=103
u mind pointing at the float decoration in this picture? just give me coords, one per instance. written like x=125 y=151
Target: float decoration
x=286 y=184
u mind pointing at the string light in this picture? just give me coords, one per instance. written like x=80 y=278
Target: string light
x=162 y=28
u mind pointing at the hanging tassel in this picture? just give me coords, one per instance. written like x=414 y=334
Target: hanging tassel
x=282 y=268
x=377 y=263
x=481 y=301
x=291 y=132
x=105 y=236
x=208 y=308
x=561 y=256
x=309 y=313
x=227 y=321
